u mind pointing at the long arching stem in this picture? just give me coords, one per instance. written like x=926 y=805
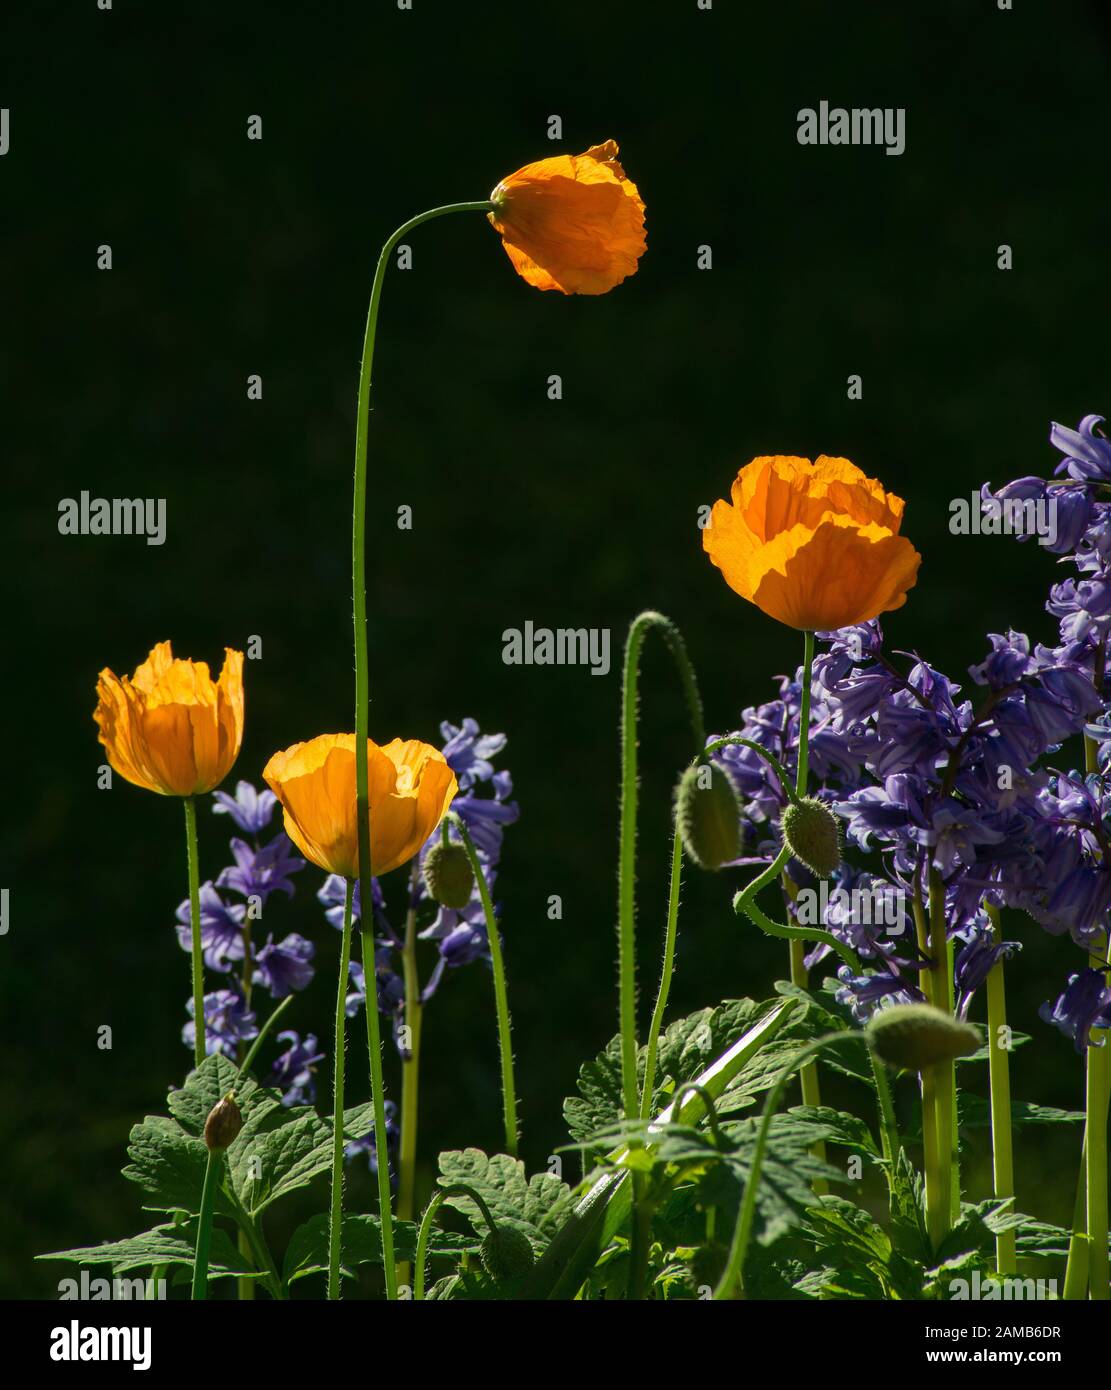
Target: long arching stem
x=339 y=1057
x=362 y=706
x=626 y=872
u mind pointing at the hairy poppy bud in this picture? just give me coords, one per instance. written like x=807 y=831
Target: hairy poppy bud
x=913 y=1036
x=506 y=1253
x=708 y=815
x=448 y=875
x=813 y=835
x=223 y=1125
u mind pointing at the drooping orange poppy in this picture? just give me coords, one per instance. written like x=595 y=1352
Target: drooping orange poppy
x=170 y=727
x=572 y=223
x=410 y=785
x=814 y=545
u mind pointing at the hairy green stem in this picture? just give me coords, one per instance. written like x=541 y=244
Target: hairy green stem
x=410 y=1070
x=731 y=1283
x=626 y=872
x=339 y=1057
x=999 y=1081
x=197 y=952
x=204 y=1225
x=377 y=1089
x=501 y=994
x=362 y=688
x=434 y=1203
x=666 y=970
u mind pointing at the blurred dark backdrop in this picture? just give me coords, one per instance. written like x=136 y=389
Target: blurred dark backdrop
x=234 y=257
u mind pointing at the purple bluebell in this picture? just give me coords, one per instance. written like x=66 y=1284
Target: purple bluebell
x=285 y=967
x=257 y=873
x=252 y=810
x=1086 y=449
x=1084 y=1005
x=294 y=1070
x=975 y=959
x=221 y=928
x=227 y=1022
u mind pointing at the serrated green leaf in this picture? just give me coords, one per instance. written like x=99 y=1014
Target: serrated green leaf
x=168 y=1164
x=536 y=1206
x=169 y=1244
x=289 y=1157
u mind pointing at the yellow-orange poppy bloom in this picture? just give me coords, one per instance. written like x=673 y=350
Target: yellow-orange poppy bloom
x=572 y=223
x=410 y=783
x=814 y=545
x=170 y=727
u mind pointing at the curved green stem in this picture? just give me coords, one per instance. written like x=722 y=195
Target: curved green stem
x=339 y=1057
x=410 y=1074
x=999 y=1082
x=626 y=872
x=267 y=1027
x=434 y=1203
x=377 y=1090
x=410 y=1069
x=745 y=901
x=689 y=1088
x=734 y=740
x=362 y=684
x=501 y=996
x=197 y=953
x=733 y=1277
x=666 y=970
x=204 y=1225
x=889 y=1129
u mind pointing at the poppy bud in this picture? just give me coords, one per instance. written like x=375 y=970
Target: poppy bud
x=813 y=835
x=448 y=875
x=506 y=1253
x=223 y=1125
x=913 y=1036
x=708 y=815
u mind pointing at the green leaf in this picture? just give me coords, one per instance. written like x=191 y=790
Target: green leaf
x=838 y=1127
x=289 y=1157
x=976 y=1113
x=307 y=1252
x=599 y=1101
x=164 y=1245
x=787 y=1174
x=536 y=1206
x=167 y=1164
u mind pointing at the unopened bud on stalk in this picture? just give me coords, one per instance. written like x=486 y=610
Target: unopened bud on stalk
x=448 y=875
x=913 y=1036
x=708 y=815
x=223 y=1124
x=506 y=1253
x=813 y=835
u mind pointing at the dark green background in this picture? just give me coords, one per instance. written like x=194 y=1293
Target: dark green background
x=233 y=257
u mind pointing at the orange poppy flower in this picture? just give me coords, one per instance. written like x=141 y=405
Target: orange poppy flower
x=411 y=786
x=572 y=223
x=814 y=545
x=170 y=728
